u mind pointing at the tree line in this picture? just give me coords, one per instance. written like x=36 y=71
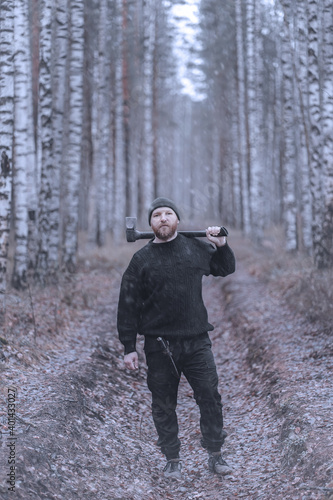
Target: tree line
x=95 y=123
x=273 y=83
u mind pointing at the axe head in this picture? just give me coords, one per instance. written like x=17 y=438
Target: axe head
x=131 y=229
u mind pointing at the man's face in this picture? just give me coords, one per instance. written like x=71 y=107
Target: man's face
x=164 y=223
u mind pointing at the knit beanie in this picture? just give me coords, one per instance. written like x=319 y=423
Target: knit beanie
x=162 y=202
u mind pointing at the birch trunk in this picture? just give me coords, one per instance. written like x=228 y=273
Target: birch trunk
x=212 y=189
x=236 y=181
x=148 y=130
x=270 y=161
x=86 y=183
x=258 y=172
x=126 y=102
x=120 y=177
x=316 y=158
x=103 y=127
x=253 y=125
x=23 y=140
x=188 y=128
x=32 y=166
x=278 y=132
x=98 y=216
x=241 y=113
x=93 y=184
x=73 y=153
x=289 y=153
x=59 y=100
x=301 y=66
x=327 y=236
x=46 y=139
x=6 y=136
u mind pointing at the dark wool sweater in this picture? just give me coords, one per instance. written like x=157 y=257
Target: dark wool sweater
x=161 y=290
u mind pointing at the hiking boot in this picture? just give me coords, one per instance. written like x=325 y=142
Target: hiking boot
x=173 y=469
x=218 y=465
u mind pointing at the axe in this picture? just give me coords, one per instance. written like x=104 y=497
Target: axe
x=132 y=234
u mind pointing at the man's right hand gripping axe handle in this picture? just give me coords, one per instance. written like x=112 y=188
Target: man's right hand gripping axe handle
x=132 y=234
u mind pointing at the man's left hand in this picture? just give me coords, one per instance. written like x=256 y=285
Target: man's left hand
x=211 y=233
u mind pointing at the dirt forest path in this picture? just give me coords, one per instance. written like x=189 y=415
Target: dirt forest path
x=83 y=426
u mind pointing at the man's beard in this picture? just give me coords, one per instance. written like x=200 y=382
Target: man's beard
x=166 y=232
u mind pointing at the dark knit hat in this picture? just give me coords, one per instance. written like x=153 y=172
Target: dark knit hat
x=162 y=202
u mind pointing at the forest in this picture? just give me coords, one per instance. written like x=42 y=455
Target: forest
x=226 y=107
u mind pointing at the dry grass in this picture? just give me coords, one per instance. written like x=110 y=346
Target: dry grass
x=311 y=293
x=307 y=290
x=112 y=255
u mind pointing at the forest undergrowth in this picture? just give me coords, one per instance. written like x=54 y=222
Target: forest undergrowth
x=83 y=422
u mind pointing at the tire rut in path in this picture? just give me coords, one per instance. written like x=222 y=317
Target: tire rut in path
x=290 y=362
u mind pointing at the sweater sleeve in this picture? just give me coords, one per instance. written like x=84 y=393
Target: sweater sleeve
x=129 y=307
x=223 y=261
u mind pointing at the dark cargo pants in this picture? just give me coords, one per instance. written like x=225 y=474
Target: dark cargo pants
x=194 y=358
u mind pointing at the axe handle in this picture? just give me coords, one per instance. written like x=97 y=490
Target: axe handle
x=144 y=236
x=202 y=234
x=191 y=234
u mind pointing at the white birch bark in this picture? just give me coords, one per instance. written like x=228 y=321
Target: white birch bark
x=258 y=184
x=46 y=138
x=276 y=146
x=301 y=66
x=241 y=114
x=93 y=185
x=120 y=177
x=148 y=79
x=289 y=156
x=73 y=153
x=327 y=237
x=236 y=176
x=316 y=158
x=271 y=156
x=6 y=135
x=100 y=136
x=108 y=135
x=187 y=146
x=176 y=157
x=253 y=124
x=23 y=140
x=59 y=57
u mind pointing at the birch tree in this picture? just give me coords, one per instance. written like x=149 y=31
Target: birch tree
x=289 y=153
x=120 y=177
x=6 y=136
x=253 y=132
x=148 y=82
x=327 y=106
x=241 y=136
x=85 y=195
x=23 y=142
x=277 y=134
x=73 y=151
x=316 y=158
x=101 y=127
x=59 y=57
x=301 y=70
x=46 y=139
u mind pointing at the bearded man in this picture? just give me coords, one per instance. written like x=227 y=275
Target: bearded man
x=161 y=299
